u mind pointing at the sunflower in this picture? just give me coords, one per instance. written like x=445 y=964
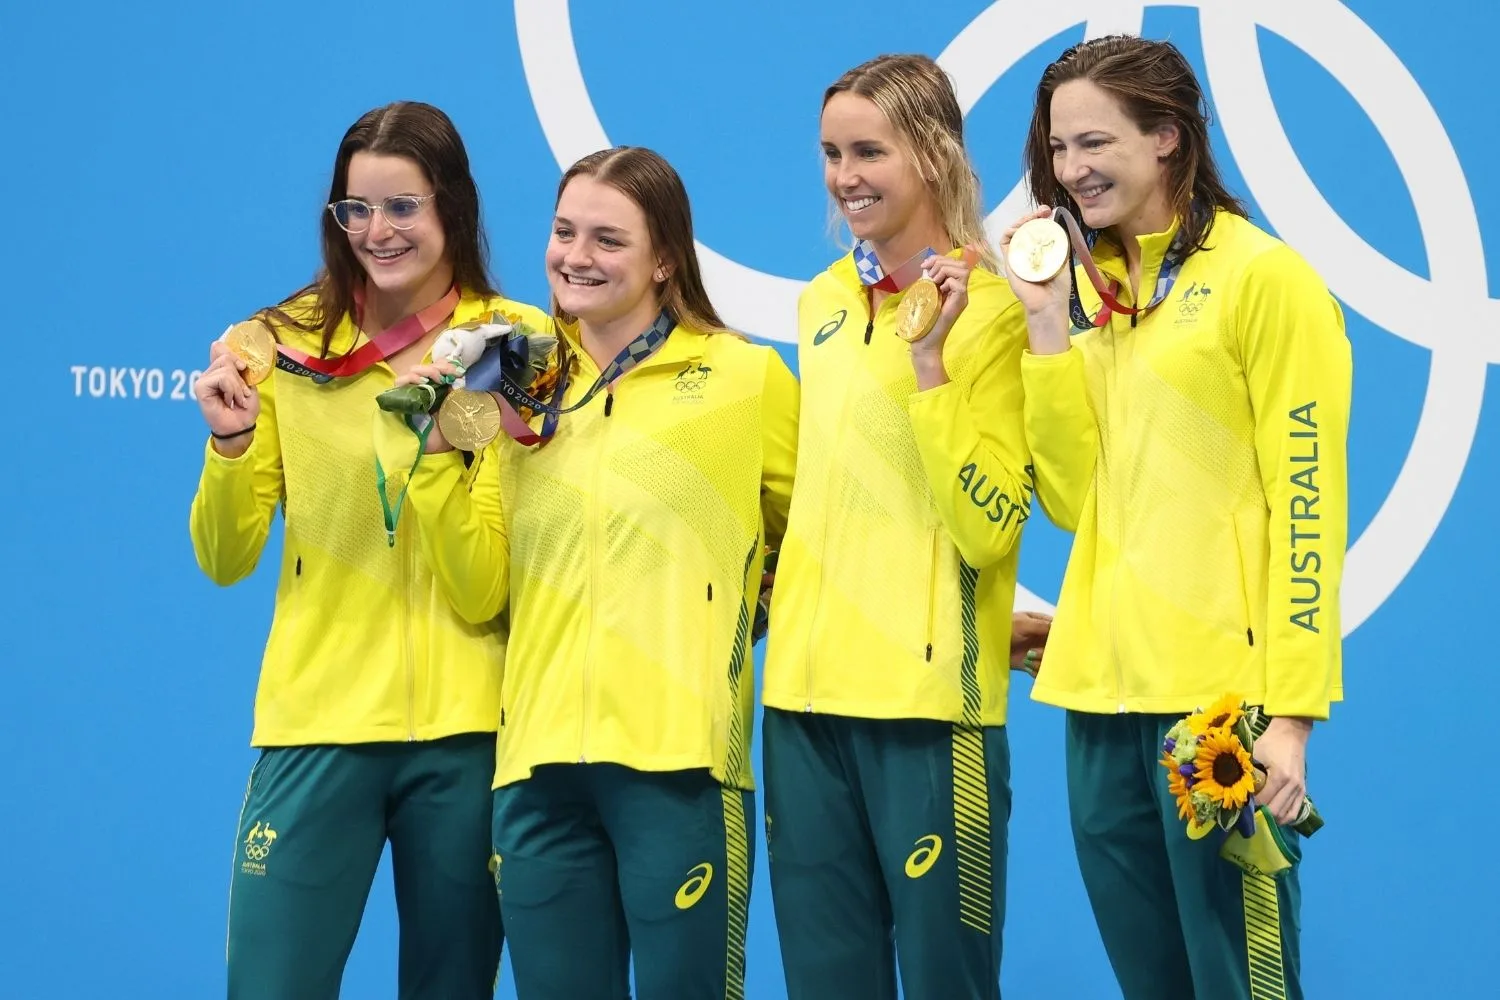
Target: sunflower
x=1225 y=713
x=1224 y=773
x=1178 y=786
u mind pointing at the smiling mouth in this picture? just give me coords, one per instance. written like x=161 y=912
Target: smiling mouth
x=853 y=206
x=579 y=281
x=388 y=254
x=1094 y=190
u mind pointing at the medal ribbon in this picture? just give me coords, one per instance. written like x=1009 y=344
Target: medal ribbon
x=872 y=275
x=384 y=344
x=637 y=351
x=1166 y=277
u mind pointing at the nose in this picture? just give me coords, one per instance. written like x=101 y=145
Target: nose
x=576 y=257
x=846 y=175
x=1069 y=167
x=380 y=227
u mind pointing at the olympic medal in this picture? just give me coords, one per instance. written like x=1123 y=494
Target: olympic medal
x=251 y=341
x=919 y=310
x=1038 y=251
x=468 y=419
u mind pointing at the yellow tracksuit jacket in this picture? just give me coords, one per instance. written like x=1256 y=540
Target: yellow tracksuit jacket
x=363 y=646
x=629 y=549
x=1199 y=456
x=895 y=582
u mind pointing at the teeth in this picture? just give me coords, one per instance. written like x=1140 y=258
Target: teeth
x=1091 y=192
x=388 y=254
x=859 y=204
x=575 y=279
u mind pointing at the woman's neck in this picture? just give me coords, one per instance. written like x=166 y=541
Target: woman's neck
x=383 y=310
x=605 y=339
x=1154 y=218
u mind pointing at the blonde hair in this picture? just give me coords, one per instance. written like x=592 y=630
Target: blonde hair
x=918 y=99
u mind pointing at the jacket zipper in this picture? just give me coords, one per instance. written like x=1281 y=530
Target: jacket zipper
x=411 y=665
x=932 y=568
x=593 y=549
x=1114 y=585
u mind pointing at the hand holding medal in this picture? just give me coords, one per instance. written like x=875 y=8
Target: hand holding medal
x=1036 y=252
x=239 y=360
x=934 y=301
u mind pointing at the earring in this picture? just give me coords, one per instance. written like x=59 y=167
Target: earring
x=660 y=275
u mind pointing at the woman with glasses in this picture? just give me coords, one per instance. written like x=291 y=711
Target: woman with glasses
x=377 y=703
x=1191 y=432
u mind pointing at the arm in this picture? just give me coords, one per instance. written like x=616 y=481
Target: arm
x=459 y=518
x=1061 y=433
x=779 y=400
x=1299 y=371
x=973 y=447
x=231 y=513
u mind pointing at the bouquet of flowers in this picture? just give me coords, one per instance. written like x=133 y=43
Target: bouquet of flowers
x=1213 y=775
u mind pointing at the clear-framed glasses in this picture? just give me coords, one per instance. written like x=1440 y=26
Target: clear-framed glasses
x=400 y=210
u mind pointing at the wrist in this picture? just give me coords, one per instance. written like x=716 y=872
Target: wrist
x=1047 y=330
x=929 y=369
x=233 y=444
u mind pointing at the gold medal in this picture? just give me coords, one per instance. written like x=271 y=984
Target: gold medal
x=1038 y=251
x=468 y=419
x=251 y=341
x=919 y=310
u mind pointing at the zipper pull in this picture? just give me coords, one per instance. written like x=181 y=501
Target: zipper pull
x=929 y=652
x=1250 y=636
x=869 y=329
x=710 y=591
x=609 y=403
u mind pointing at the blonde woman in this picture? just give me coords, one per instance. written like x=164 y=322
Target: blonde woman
x=887 y=768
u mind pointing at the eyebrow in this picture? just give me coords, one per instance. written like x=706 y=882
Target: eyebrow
x=398 y=194
x=597 y=229
x=1054 y=137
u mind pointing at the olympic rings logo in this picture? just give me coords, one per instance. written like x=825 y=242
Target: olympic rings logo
x=1447 y=313
x=257 y=852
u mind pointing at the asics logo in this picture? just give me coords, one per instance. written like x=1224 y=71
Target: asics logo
x=699 y=879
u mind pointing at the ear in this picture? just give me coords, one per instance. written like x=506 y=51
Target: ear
x=662 y=272
x=1168 y=139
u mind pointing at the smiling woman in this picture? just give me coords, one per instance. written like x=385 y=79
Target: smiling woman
x=377 y=703
x=623 y=780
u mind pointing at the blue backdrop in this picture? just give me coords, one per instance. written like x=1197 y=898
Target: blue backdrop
x=164 y=174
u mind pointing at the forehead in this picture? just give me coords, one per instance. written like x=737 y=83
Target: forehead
x=1081 y=106
x=377 y=175
x=848 y=117
x=588 y=202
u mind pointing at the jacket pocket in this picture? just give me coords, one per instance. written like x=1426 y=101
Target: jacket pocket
x=932 y=587
x=1241 y=579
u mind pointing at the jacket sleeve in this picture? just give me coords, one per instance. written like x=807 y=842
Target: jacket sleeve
x=1062 y=434
x=780 y=400
x=231 y=513
x=973 y=446
x=1299 y=370
x=458 y=518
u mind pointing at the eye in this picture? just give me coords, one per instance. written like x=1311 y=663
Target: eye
x=562 y=232
x=610 y=242
x=1096 y=144
x=831 y=154
x=402 y=207
x=869 y=153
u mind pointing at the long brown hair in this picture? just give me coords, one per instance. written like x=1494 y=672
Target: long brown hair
x=426 y=136
x=646 y=178
x=1155 y=86
x=917 y=98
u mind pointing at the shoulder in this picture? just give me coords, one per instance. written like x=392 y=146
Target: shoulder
x=1253 y=259
x=297 y=320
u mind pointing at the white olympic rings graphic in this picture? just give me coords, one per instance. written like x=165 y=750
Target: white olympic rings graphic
x=1448 y=313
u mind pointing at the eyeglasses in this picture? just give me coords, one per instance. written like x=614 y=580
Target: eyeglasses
x=400 y=210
